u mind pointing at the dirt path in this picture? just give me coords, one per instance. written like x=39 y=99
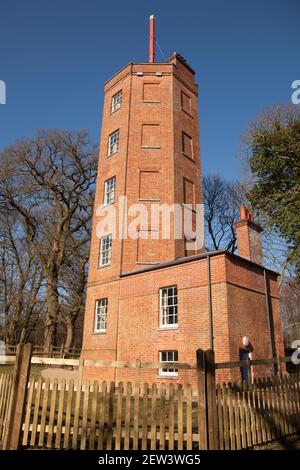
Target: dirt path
x=59 y=373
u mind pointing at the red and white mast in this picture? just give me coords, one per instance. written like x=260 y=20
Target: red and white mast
x=152 y=39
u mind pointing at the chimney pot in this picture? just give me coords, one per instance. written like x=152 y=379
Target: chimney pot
x=249 y=237
x=243 y=212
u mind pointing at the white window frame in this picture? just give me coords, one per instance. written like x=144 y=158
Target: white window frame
x=165 y=307
x=105 y=249
x=170 y=357
x=101 y=315
x=113 y=142
x=109 y=191
x=116 y=101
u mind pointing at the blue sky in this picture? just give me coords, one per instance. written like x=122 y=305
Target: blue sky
x=55 y=56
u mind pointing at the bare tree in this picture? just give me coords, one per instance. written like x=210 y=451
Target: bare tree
x=290 y=309
x=73 y=287
x=49 y=182
x=21 y=280
x=73 y=291
x=222 y=200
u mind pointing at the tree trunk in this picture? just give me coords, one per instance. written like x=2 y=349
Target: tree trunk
x=23 y=335
x=52 y=310
x=70 y=334
x=14 y=324
x=11 y=332
x=25 y=329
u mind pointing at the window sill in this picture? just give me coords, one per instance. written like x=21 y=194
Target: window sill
x=150 y=263
x=108 y=156
x=104 y=266
x=96 y=333
x=168 y=328
x=172 y=377
x=150 y=101
x=107 y=205
x=113 y=112
x=149 y=200
x=150 y=147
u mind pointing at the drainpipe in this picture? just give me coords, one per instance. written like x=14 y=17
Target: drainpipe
x=270 y=322
x=210 y=313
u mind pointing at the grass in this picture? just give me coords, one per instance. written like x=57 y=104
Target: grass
x=35 y=371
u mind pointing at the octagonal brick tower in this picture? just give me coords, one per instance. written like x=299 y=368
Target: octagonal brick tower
x=149 y=153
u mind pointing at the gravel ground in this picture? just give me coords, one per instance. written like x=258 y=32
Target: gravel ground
x=290 y=443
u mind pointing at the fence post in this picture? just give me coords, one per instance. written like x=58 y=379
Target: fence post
x=201 y=385
x=278 y=365
x=80 y=371
x=212 y=413
x=249 y=367
x=17 y=397
x=137 y=374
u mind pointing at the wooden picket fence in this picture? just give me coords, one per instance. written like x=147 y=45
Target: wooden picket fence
x=39 y=413
x=109 y=416
x=6 y=381
x=264 y=411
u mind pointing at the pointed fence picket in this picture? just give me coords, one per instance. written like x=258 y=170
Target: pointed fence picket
x=121 y=416
x=113 y=416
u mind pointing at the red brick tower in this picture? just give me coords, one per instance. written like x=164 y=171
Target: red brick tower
x=149 y=153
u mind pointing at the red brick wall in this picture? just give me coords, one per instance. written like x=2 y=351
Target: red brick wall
x=186 y=122
x=163 y=113
x=247 y=313
x=237 y=311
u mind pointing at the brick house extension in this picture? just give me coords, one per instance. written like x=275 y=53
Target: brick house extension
x=151 y=298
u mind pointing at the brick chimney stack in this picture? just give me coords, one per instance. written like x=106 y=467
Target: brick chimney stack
x=249 y=237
